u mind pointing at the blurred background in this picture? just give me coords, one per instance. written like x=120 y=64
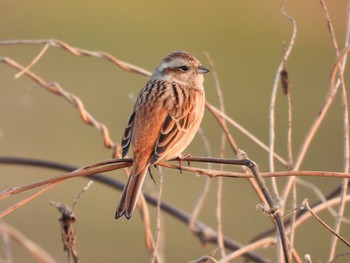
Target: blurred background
x=245 y=41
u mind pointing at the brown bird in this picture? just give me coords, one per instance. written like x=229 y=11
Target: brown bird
x=164 y=120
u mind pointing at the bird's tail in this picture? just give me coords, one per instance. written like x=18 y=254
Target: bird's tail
x=131 y=192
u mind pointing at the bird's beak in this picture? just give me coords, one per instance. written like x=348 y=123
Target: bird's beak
x=202 y=70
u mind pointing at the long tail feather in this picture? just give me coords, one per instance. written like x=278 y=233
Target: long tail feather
x=131 y=193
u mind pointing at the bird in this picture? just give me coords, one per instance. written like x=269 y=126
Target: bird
x=164 y=120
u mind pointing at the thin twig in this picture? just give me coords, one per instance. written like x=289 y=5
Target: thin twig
x=36 y=251
x=55 y=88
x=344 y=187
x=219 y=203
x=79 y=172
x=285 y=57
x=307 y=206
x=205 y=189
x=252 y=246
x=286 y=54
x=289 y=133
x=332 y=90
x=6 y=248
x=156 y=254
x=222 y=155
x=317 y=192
x=273 y=209
x=204 y=259
x=221 y=118
x=27 y=200
x=302 y=216
x=85 y=188
x=292 y=219
x=34 y=61
x=318 y=208
x=244 y=131
x=287 y=91
x=335 y=259
x=146 y=220
x=78 y=52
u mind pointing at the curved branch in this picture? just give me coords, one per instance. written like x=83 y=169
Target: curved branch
x=201 y=230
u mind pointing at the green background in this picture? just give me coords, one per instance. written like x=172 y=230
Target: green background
x=245 y=41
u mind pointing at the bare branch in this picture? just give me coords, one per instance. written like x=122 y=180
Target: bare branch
x=55 y=88
x=344 y=188
x=217 y=112
x=307 y=206
x=36 y=251
x=252 y=246
x=332 y=90
x=222 y=155
x=204 y=233
x=78 y=52
x=281 y=66
x=35 y=60
x=157 y=243
x=200 y=202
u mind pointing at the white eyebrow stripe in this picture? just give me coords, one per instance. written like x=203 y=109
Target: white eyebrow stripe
x=164 y=66
x=176 y=62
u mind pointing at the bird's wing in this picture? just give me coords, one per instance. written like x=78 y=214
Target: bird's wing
x=127 y=135
x=178 y=122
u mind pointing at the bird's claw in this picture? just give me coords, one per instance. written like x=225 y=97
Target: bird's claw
x=180 y=159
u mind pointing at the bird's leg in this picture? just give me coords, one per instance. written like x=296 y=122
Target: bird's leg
x=184 y=156
x=180 y=158
x=150 y=173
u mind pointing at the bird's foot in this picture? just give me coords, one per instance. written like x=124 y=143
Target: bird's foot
x=180 y=158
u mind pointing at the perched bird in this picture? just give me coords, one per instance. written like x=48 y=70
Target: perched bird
x=164 y=120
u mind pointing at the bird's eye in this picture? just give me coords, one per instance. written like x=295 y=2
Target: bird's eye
x=183 y=68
